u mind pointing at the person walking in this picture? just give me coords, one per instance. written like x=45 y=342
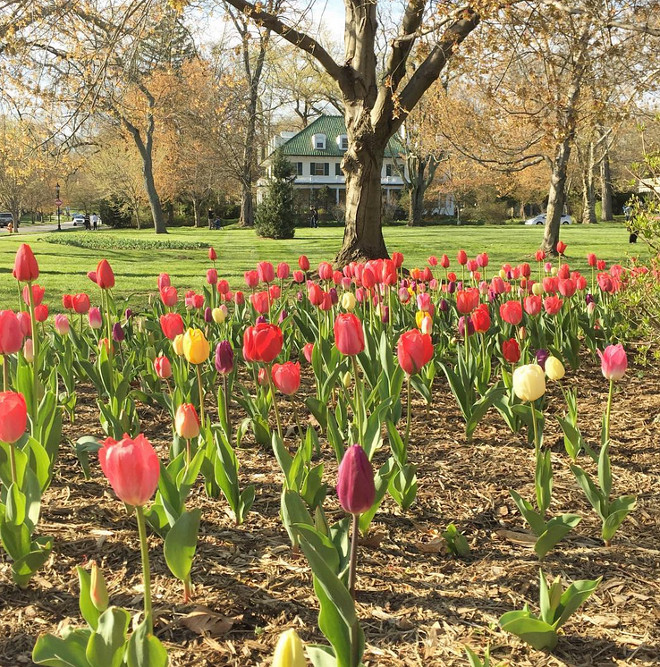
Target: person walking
x=314 y=218
x=94 y=219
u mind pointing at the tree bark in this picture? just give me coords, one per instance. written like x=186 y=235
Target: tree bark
x=606 y=211
x=362 y=164
x=588 y=190
x=556 y=196
x=198 y=222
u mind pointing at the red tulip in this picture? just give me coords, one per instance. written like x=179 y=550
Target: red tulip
x=552 y=304
x=315 y=294
x=213 y=255
x=561 y=247
x=222 y=287
x=414 y=350
x=274 y=292
x=266 y=272
x=169 y=296
x=511 y=350
x=511 y=312
x=481 y=319
x=482 y=260
x=533 y=305
x=349 y=336
x=567 y=287
x=105 y=278
x=262 y=342
x=355 y=481
x=260 y=302
x=172 y=325
x=251 y=279
x=303 y=263
x=368 y=279
x=41 y=313
x=298 y=276
x=26 y=269
x=592 y=259
x=80 y=303
x=286 y=377
x=613 y=362
x=397 y=258
x=605 y=282
x=283 y=270
x=163 y=281
x=581 y=283
x=193 y=300
x=467 y=300
x=212 y=276
x=461 y=257
x=13 y=416
x=433 y=260
x=601 y=264
x=325 y=271
x=239 y=298
x=37 y=294
x=444 y=262
x=67 y=301
x=163 y=367
x=308 y=350
x=23 y=318
x=11 y=334
x=132 y=468
x=540 y=255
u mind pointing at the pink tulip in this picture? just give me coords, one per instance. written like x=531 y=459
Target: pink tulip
x=613 y=362
x=355 y=481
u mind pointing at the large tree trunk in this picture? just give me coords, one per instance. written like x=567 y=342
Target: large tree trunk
x=362 y=164
x=416 y=190
x=247 y=205
x=556 y=197
x=606 y=212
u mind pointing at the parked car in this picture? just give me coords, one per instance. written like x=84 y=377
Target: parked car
x=78 y=219
x=5 y=219
x=540 y=220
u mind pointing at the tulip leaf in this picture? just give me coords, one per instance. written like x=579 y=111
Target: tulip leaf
x=321 y=656
x=181 y=543
x=69 y=651
x=555 y=531
x=530 y=629
x=574 y=596
x=106 y=645
x=89 y=612
x=605 y=470
x=23 y=568
x=381 y=482
x=145 y=650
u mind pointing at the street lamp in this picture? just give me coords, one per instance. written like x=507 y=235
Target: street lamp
x=58 y=202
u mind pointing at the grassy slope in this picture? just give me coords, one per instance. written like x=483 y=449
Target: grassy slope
x=63 y=268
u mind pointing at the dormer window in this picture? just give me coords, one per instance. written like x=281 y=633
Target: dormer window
x=318 y=142
x=342 y=142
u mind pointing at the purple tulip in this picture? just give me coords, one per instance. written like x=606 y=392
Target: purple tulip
x=451 y=287
x=385 y=316
x=261 y=319
x=224 y=357
x=118 y=334
x=128 y=313
x=541 y=357
x=589 y=298
x=443 y=305
x=355 y=481
x=461 y=326
x=282 y=317
x=208 y=315
x=334 y=297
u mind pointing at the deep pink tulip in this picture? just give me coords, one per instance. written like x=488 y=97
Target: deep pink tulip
x=355 y=481
x=613 y=362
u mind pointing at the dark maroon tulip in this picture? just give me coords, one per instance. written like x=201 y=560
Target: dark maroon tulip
x=355 y=481
x=224 y=357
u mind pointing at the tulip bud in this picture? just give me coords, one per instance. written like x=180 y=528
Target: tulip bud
x=347 y=379
x=554 y=369
x=355 y=481
x=262 y=377
x=95 y=319
x=289 y=651
x=28 y=350
x=163 y=367
x=218 y=315
x=177 y=345
x=62 y=326
x=348 y=301
x=98 y=591
x=118 y=334
x=541 y=357
x=13 y=416
x=186 y=421
x=591 y=306
x=529 y=382
x=224 y=357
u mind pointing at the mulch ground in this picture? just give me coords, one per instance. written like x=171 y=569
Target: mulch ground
x=418 y=605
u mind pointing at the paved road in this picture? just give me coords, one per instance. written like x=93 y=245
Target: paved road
x=41 y=228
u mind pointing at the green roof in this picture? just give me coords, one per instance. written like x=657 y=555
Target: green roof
x=332 y=126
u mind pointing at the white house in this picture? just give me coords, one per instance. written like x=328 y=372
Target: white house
x=317 y=152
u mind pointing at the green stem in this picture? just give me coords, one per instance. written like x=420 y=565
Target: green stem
x=297 y=416
x=358 y=398
x=226 y=400
x=146 y=575
x=537 y=445
x=352 y=567
x=188 y=457
x=35 y=364
x=408 y=411
x=201 y=394
x=272 y=393
x=12 y=463
x=608 y=412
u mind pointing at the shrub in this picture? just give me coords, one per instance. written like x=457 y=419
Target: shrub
x=113 y=242
x=275 y=217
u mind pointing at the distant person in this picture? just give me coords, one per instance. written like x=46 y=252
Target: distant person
x=86 y=221
x=217 y=223
x=94 y=219
x=10 y=226
x=627 y=212
x=314 y=218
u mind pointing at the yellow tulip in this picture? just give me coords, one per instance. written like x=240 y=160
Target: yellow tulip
x=289 y=651
x=347 y=379
x=502 y=274
x=177 y=345
x=529 y=382
x=554 y=369
x=537 y=289
x=348 y=301
x=218 y=315
x=196 y=348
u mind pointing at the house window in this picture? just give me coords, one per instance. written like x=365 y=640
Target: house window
x=342 y=142
x=319 y=169
x=338 y=169
x=299 y=168
x=318 y=142
x=388 y=170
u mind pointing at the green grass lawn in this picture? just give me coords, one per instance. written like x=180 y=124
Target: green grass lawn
x=64 y=268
